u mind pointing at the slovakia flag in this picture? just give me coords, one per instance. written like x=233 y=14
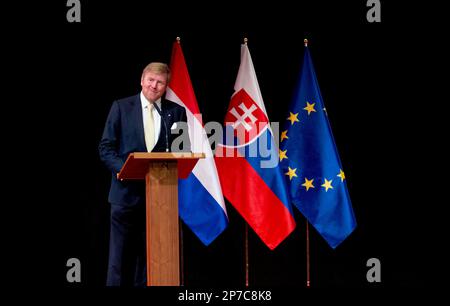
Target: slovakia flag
x=248 y=161
x=200 y=201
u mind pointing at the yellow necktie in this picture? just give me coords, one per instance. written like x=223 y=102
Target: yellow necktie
x=149 y=129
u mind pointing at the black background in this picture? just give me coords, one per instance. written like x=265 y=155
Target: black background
x=379 y=85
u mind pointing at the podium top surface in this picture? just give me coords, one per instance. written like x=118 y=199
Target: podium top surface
x=166 y=155
x=137 y=164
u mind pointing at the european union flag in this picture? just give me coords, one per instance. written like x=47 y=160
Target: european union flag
x=310 y=161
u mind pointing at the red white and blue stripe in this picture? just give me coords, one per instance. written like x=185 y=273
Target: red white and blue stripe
x=200 y=201
x=248 y=164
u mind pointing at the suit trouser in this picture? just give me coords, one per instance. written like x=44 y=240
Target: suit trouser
x=127 y=251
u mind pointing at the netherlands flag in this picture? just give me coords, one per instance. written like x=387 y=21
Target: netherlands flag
x=248 y=161
x=200 y=202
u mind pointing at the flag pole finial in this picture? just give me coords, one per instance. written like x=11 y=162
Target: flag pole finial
x=178 y=39
x=305 y=41
x=245 y=40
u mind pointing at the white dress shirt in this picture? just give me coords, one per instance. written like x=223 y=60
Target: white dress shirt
x=156 y=117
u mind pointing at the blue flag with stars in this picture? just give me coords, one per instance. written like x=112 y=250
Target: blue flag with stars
x=310 y=161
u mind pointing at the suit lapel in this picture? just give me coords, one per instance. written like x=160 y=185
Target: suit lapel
x=137 y=118
x=161 y=142
x=168 y=115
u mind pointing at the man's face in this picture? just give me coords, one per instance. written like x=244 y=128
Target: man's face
x=153 y=85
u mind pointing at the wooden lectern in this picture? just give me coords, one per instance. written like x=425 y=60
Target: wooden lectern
x=161 y=172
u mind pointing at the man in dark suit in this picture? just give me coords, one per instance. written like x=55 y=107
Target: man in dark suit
x=135 y=124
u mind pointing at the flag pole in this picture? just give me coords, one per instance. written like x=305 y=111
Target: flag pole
x=180 y=225
x=181 y=234
x=246 y=254
x=246 y=230
x=308 y=278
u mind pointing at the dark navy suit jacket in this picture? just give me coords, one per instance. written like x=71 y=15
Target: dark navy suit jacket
x=124 y=134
